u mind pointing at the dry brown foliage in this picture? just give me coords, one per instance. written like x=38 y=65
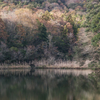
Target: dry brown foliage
x=3 y=33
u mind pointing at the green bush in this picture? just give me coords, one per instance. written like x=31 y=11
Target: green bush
x=93 y=64
x=14 y=49
x=95 y=39
x=62 y=44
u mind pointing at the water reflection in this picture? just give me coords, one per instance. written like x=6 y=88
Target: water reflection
x=50 y=85
x=75 y=72
x=51 y=72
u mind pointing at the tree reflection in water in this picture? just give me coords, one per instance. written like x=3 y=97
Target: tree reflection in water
x=51 y=85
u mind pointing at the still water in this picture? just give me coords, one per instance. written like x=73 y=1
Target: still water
x=50 y=84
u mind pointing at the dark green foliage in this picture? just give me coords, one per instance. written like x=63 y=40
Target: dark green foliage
x=39 y=1
x=14 y=49
x=64 y=31
x=42 y=35
x=14 y=43
x=52 y=1
x=75 y=27
x=7 y=55
x=92 y=64
x=93 y=17
x=95 y=39
x=70 y=19
x=93 y=21
x=87 y=30
x=74 y=5
x=42 y=32
x=31 y=5
x=62 y=44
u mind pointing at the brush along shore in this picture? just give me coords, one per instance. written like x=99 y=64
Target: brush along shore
x=45 y=64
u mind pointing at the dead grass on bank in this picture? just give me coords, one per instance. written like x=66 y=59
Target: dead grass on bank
x=65 y=64
x=15 y=65
x=60 y=64
x=49 y=63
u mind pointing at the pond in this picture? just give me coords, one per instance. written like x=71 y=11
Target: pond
x=49 y=84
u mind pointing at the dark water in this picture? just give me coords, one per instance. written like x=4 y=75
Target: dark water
x=49 y=85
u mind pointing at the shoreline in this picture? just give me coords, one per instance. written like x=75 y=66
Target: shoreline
x=79 y=68
x=82 y=68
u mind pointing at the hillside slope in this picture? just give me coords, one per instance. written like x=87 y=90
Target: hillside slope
x=85 y=53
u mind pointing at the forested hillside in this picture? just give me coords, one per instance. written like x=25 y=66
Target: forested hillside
x=41 y=29
x=92 y=25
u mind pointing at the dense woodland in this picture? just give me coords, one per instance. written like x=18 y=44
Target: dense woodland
x=40 y=29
